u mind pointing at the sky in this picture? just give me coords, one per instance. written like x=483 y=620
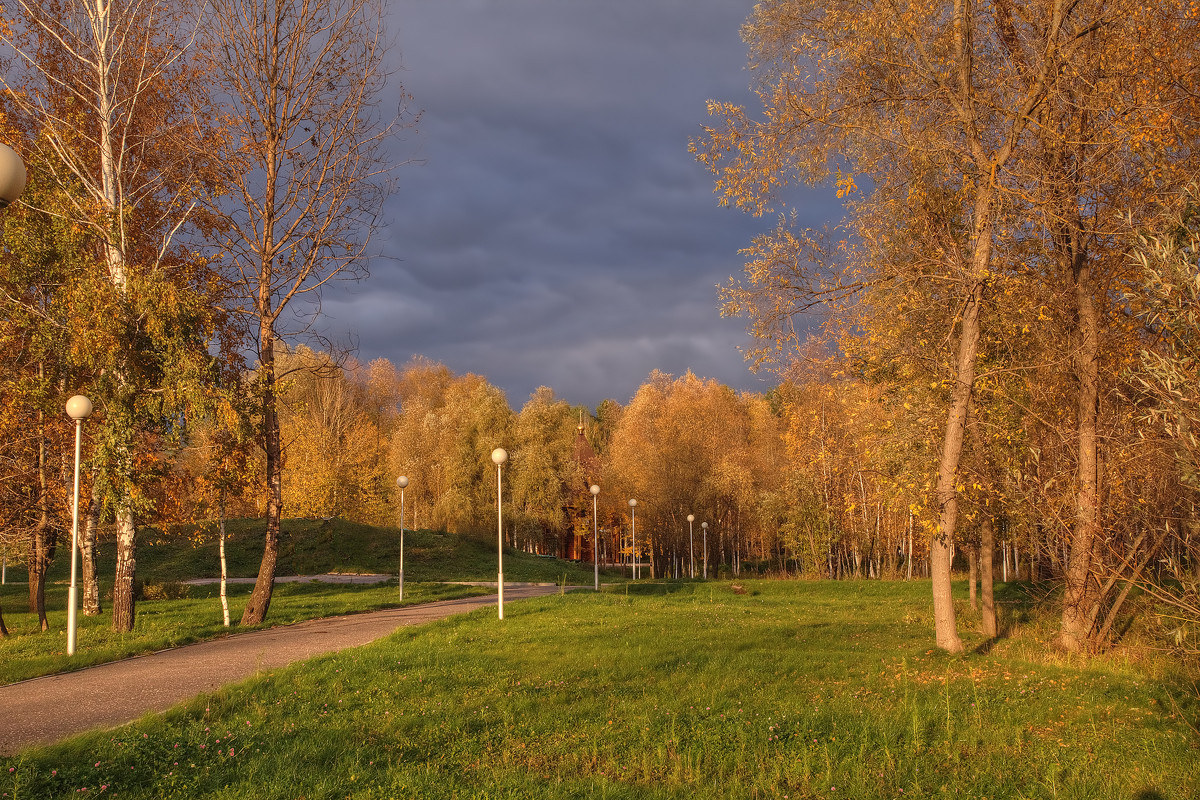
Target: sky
x=549 y=226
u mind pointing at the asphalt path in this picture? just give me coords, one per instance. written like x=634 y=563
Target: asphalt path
x=46 y=710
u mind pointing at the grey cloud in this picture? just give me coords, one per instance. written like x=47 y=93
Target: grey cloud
x=557 y=231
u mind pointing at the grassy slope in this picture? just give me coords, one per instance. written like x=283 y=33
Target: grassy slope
x=792 y=690
x=312 y=546
x=308 y=547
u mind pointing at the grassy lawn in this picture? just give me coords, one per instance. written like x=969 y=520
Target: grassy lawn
x=791 y=690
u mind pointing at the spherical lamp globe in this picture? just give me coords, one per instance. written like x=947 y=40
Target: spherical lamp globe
x=12 y=176
x=79 y=407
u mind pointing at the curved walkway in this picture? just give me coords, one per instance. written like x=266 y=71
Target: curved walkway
x=46 y=710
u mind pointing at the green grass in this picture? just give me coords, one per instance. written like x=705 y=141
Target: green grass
x=160 y=624
x=796 y=690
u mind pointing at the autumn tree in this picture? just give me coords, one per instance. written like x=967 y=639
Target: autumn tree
x=300 y=84
x=443 y=438
x=1112 y=138
x=335 y=455
x=686 y=446
x=543 y=480
x=38 y=271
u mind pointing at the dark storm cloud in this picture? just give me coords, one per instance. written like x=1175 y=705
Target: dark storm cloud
x=556 y=231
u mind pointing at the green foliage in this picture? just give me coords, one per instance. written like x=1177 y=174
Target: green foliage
x=788 y=690
x=1168 y=302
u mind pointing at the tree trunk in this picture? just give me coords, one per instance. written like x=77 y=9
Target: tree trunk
x=721 y=557
x=124 y=598
x=973 y=574
x=987 y=546
x=945 y=626
x=87 y=549
x=908 y=565
x=43 y=542
x=1034 y=569
x=260 y=599
x=224 y=597
x=1075 y=630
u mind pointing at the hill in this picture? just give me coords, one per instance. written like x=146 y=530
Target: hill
x=315 y=546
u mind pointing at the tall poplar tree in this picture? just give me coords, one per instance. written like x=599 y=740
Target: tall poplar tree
x=301 y=84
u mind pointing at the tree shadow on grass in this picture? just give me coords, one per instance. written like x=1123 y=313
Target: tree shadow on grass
x=1015 y=606
x=1149 y=794
x=986 y=647
x=664 y=588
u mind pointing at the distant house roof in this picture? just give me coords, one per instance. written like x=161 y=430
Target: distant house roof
x=584 y=455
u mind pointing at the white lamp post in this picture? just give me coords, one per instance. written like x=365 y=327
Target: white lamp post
x=499 y=456
x=691 y=547
x=595 y=490
x=704 y=528
x=633 y=531
x=402 y=482
x=12 y=184
x=79 y=408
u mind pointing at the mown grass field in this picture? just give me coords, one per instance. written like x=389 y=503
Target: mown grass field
x=791 y=690
x=307 y=547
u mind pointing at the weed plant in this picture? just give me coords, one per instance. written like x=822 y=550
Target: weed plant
x=789 y=690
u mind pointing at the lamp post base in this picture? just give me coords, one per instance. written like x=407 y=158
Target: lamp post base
x=72 y=604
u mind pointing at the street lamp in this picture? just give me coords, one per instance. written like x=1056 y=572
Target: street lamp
x=79 y=408
x=704 y=528
x=402 y=482
x=12 y=176
x=499 y=456
x=633 y=530
x=691 y=547
x=12 y=183
x=595 y=490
